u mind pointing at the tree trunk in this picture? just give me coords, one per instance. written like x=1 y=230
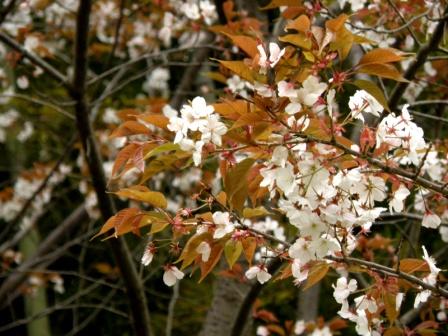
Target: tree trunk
x=36 y=302
x=228 y=296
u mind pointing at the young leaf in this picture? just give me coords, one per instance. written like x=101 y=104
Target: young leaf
x=236 y=177
x=130 y=127
x=390 y=305
x=236 y=183
x=167 y=147
x=208 y=266
x=382 y=70
x=337 y=23
x=232 y=251
x=301 y=24
x=239 y=68
x=255 y=212
x=246 y=43
x=317 y=273
x=158 y=226
x=117 y=221
x=158 y=120
x=280 y=3
x=249 y=247
x=222 y=198
x=123 y=157
x=380 y=56
x=143 y=194
x=299 y=40
x=189 y=251
x=411 y=265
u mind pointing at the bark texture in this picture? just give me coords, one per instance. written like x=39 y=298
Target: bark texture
x=228 y=297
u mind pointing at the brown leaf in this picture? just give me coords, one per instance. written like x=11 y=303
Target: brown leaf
x=301 y=24
x=280 y=3
x=130 y=127
x=317 y=273
x=158 y=120
x=300 y=40
x=208 y=266
x=143 y=194
x=246 y=43
x=382 y=70
x=380 y=56
x=249 y=248
x=239 y=68
x=411 y=265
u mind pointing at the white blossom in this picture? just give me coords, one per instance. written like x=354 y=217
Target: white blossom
x=397 y=201
x=311 y=90
x=362 y=101
x=431 y=220
x=275 y=54
x=299 y=327
x=343 y=289
x=204 y=250
x=260 y=272
x=223 y=224
x=171 y=275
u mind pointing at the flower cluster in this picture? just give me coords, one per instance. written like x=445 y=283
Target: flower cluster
x=197 y=126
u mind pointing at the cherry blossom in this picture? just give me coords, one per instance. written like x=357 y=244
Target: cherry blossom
x=299 y=327
x=260 y=272
x=204 y=250
x=286 y=89
x=223 y=224
x=364 y=303
x=397 y=201
x=431 y=220
x=148 y=255
x=362 y=101
x=343 y=289
x=191 y=10
x=171 y=275
x=275 y=54
x=431 y=262
x=311 y=90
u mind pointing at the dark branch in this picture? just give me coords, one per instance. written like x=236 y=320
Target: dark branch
x=36 y=60
x=133 y=283
x=4 y=11
x=420 y=59
x=65 y=228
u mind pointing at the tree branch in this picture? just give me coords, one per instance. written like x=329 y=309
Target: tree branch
x=134 y=286
x=48 y=68
x=11 y=242
x=439 y=188
x=190 y=74
x=4 y=11
x=420 y=59
x=65 y=228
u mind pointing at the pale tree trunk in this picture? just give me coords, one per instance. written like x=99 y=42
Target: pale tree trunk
x=227 y=298
x=308 y=303
x=36 y=302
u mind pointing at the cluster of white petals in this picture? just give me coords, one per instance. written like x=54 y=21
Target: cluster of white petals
x=362 y=102
x=401 y=132
x=197 y=118
x=275 y=54
x=315 y=199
